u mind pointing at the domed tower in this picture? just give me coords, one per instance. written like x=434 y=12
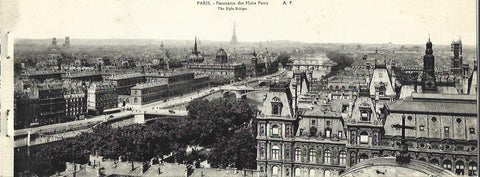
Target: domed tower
x=428 y=76
x=221 y=56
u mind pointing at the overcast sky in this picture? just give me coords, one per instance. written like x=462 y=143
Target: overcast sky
x=323 y=21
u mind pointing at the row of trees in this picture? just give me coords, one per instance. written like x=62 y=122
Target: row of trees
x=220 y=124
x=343 y=61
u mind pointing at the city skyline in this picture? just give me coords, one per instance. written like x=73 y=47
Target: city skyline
x=347 y=22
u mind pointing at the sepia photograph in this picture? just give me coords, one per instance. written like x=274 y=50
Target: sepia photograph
x=239 y=88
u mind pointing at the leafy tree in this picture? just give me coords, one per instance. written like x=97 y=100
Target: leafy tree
x=237 y=151
x=217 y=118
x=342 y=61
x=284 y=58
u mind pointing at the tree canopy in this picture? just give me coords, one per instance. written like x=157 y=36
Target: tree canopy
x=221 y=124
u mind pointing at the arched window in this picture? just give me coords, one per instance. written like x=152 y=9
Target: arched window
x=337 y=88
x=434 y=161
x=472 y=169
x=364 y=137
x=312 y=172
x=327 y=156
x=363 y=157
x=274 y=171
x=447 y=164
x=327 y=173
x=342 y=158
x=459 y=168
x=297 y=154
x=331 y=87
x=135 y=100
x=275 y=152
x=298 y=172
x=311 y=155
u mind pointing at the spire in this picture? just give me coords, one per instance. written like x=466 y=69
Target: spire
x=234 y=35
x=195 y=46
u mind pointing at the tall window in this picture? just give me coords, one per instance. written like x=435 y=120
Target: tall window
x=275 y=109
x=311 y=155
x=275 y=130
x=472 y=169
x=297 y=154
x=328 y=132
x=364 y=116
x=276 y=106
x=312 y=173
x=447 y=164
x=262 y=129
x=340 y=133
x=446 y=131
x=327 y=157
x=343 y=158
x=275 y=152
x=298 y=172
x=275 y=171
x=364 y=137
x=261 y=150
x=459 y=168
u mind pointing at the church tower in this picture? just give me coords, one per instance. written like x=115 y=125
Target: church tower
x=428 y=76
x=234 y=36
x=254 y=62
x=457 y=58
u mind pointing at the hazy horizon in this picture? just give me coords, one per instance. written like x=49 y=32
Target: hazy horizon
x=307 y=21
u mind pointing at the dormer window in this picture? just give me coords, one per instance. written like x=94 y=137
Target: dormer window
x=365 y=116
x=276 y=106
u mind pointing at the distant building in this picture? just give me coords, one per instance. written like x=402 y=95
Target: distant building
x=84 y=76
x=221 y=67
x=319 y=65
x=432 y=81
x=125 y=82
x=75 y=95
x=67 y=42
x=41 y=76
x=54 y=42
x=162 y=86
x=195 y=56
x=101 y=96
x=262 y=64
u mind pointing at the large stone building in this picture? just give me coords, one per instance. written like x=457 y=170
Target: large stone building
x=101 y=97
x=124 y=82
x=221 y=67
x=327 y=135
x=445 y=131
x=162 y=86
x=262 y=64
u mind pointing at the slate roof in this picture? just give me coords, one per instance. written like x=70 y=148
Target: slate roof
x=434 y=105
